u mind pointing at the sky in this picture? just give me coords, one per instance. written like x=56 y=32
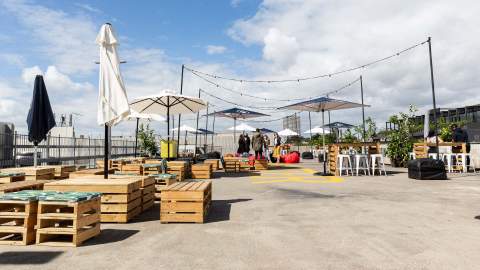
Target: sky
x=245 y=39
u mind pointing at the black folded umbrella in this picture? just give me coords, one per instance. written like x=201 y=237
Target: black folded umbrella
x=40 y=117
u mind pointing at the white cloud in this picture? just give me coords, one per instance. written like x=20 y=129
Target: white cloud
x=12 y=59
x=279 y=48
x=235 y=3
x=56 y=81
x=88 y=8
x=215 y=49
x=66 y=39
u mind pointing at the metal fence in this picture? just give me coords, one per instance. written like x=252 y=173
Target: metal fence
x=16 y=150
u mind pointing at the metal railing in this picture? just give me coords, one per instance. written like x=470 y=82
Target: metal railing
x=16 y=150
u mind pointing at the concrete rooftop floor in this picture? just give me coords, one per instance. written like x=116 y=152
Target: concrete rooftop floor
x=289 y=219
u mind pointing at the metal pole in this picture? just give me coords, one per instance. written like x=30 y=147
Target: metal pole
x=310 y=122
x=213 y=128
x=234 y=131
x=136 y=137
x=433 y=96
x=180 y=116
x=206 y=129
x=196 y=132
x=168 y=127
x=323 y=139
x=185 y=146
x=105 y=157
x=363 y=109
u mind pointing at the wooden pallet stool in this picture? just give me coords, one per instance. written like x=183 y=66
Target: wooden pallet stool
x=11 y=177
x=62 y=171
x=215 y=164
x=261 y=164
x=162 y=181
x=202 y=171
x=17 y=221
x=186 y=202
x=147 y=190
x=66 y=223
x=22 y=185
x=132 y=168
x=88 y=173
x=232 y=164
x=32 y=173
x=151 y=168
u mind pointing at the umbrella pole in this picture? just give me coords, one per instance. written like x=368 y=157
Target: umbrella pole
x=136 y=137
x=234 y=131
x=323 y=139
x=105 y=158
x=35 y=154
x=213 y=128
x=180 y=116
x=185 y=147
x=196 y=132
x=206 y=130
x=168 y=128
x=433 y=96
x=363 y=110
x=310 y=122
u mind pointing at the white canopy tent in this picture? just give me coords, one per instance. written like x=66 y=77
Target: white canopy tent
x=242 y=127
x=287 y=132
x=317 y=130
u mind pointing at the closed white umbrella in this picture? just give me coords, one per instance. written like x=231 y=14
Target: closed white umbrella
x=242 y=127
x=317 y=130
x=168 y=103
x=112 y=97
x=136 y=116
x=287 y=132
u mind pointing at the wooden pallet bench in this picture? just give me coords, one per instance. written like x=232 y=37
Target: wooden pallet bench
x=32 y=173
x=186 y=202
x=11 y=177
x=147 y=190
x=65 y=223
x=215 y=164
x=181 y=168
x=17 y=222
x=121 y=195
x=62 y=171
x=162 y=181
x=232 y=164
x=132 y=168
x=151 y=168
x=21 y=185
x=88 y=173
x=261 y=164
x=202 y=171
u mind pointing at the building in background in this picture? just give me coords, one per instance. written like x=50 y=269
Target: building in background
x=292 y=122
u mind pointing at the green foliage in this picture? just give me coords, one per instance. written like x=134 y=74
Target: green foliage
x=146 y=140
x=370 y=130
x=400 y=141
x=349 y=137
x=317 y=139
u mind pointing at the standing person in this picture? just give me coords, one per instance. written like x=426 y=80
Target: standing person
x=276 y=149
x=266 y=146
x=257 y=144
x=247 y=144
x=241 y=145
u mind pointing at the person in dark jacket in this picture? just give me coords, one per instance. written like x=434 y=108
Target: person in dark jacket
x=257 y=144
x=241 y=145
x=247 y=144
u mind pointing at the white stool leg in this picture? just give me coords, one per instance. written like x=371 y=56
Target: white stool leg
x=340 y=167
x=383 y=165
x=357 y=163
x=351 y=165
x=373 y=165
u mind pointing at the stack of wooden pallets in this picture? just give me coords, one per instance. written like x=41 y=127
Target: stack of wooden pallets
x=202 y=171
x=22 y=185
x=32 y=173
x=261 y=164
x=178 y=168
x=232 y=164
x=17 y=221
x=136 y=168
x=215 y=164
x=162 y=181
x=186 y=202
x=11 y=177
x=66 y=222
x=147 y=190
x=62 y=171
x=151 y=169
x=88 y=173
x=121 y=197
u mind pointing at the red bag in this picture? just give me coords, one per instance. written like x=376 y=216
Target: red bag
x=293 y=157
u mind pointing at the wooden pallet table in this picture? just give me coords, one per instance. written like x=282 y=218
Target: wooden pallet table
x=186 y=202
x=153 y=161
x=62 y=171
x=202 y=171
x=132 y=168
x=22 y=185
x=215 y=164
x=88 y=173
x=11 y=177
x=178 y=168
x=151 y=168
x=64 y=223
x=17 y=222
x=162 y=181
x=32 y=173
x=261 y=164
x=232 y=164
x=121 y=195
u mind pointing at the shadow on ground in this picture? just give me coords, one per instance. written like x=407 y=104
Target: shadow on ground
x=28 y=257
x=294 y=193
x=220 y=209
x=152 y=214
x=235 y=175
x=109 y=236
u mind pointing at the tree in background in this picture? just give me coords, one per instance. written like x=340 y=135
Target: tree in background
x=370 y=130
x=400 y=141
x=147 y=141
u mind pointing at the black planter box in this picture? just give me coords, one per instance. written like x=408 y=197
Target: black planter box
x=426 y=169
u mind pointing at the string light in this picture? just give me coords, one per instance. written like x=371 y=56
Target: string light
x=310 y=77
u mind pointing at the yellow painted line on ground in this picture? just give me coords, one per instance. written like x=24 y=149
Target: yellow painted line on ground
x=309 y=171
x=322 y=180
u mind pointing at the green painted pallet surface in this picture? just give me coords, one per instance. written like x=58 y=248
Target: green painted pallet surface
x=41 y=195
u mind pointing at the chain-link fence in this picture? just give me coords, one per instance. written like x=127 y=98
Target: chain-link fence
x=16 y=150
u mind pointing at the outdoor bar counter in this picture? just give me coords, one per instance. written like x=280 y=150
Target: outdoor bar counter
x=335 y=149
x=421 y=149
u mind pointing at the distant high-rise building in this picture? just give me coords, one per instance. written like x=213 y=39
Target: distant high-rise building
x=292 y=122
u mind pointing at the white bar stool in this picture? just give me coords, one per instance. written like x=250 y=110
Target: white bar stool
x=381 y=163
x=448 y=159
x=348 y=164
x=361 y=162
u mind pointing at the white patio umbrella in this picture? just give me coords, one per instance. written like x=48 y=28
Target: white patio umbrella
x=242 y=127
x=317 y=130
x=287 y=132
x=112 y=98
x=168 y=103
x=187 y=129
x=136 y=116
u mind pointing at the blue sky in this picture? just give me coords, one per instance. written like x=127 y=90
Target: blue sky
x=268 y=39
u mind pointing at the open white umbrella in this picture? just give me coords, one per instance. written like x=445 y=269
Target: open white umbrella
x=136 y=116
x=287 y=132
x=168 y=103
x=112 y=97
x=242 y=127
x=317 y=130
